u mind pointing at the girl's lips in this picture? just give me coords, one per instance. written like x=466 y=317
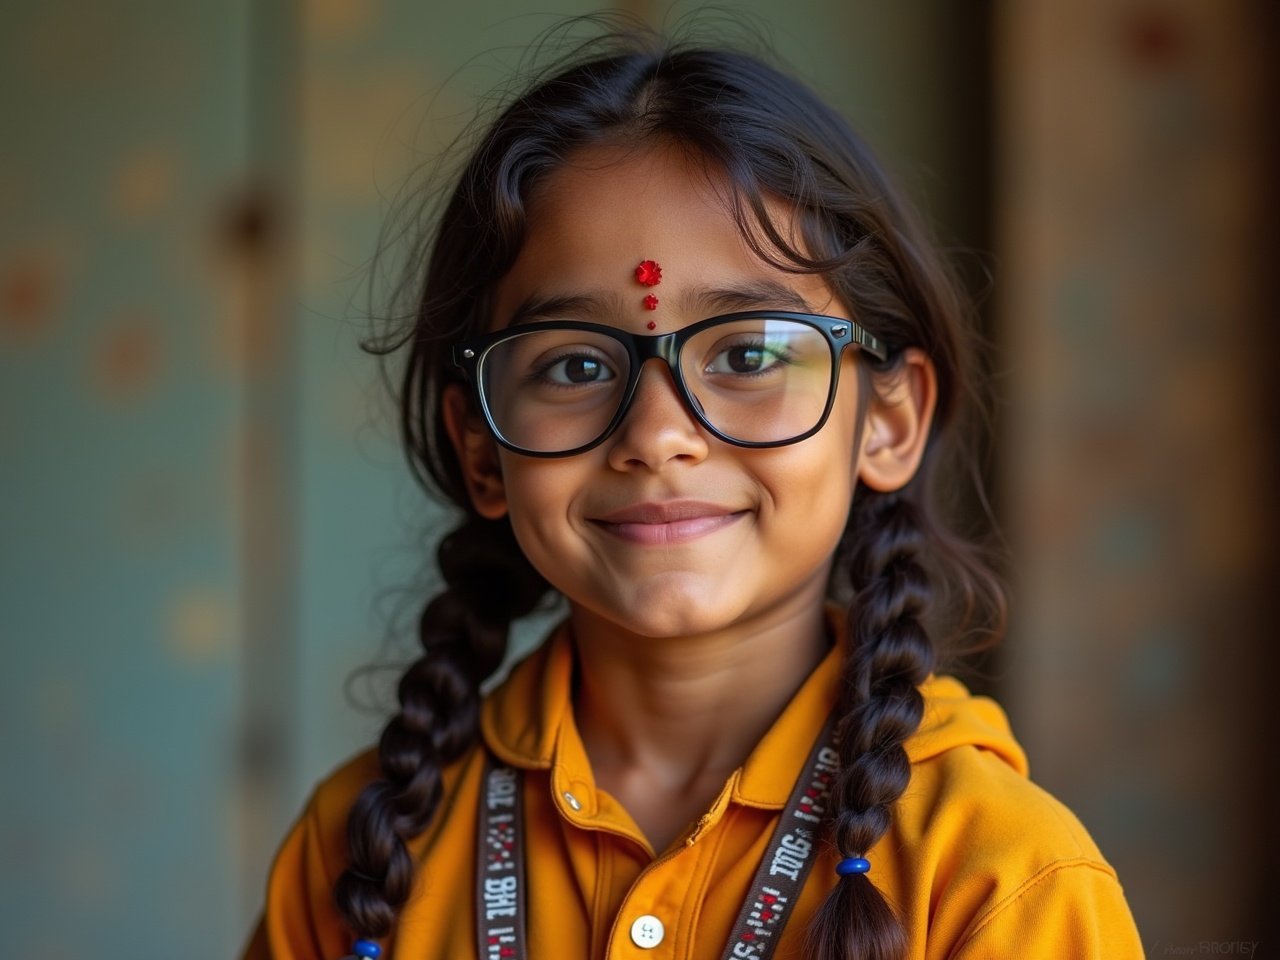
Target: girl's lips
x=676 y=521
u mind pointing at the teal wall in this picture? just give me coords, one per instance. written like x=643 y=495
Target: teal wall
x=205 y=522
x=119 y=411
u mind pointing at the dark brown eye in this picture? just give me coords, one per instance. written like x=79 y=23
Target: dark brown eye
x=576 y=369
x=583 y=369
x=745 y=359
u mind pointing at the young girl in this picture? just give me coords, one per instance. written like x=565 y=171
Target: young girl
x=681 y=354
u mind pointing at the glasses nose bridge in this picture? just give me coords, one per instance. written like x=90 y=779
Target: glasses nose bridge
x=662 y=346
x=666 y=348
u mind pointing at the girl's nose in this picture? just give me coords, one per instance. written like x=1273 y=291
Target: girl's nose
x=658 y=428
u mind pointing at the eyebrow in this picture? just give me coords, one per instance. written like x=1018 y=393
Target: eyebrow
x=748 y=295
x=536 y=307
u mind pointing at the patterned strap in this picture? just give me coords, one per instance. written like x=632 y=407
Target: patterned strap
x=500 y=899
x=500 y=878
x=789 y=858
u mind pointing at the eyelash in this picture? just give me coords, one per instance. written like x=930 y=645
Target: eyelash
x=539 y=375
x=784 y=355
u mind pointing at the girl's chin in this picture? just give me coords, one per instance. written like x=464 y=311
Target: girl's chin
x=665 y=612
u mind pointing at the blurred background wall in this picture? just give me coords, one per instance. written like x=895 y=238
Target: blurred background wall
x=206 y=525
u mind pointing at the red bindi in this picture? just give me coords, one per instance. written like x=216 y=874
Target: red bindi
x=649 y=273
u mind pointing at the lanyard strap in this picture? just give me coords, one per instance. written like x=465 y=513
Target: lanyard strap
x=500 y=901
x=789 y=858
x=501 y=917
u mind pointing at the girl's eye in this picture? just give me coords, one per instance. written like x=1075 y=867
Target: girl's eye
x=746 y=358
x=575 y=369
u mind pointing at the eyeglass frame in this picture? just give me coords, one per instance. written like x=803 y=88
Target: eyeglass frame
x=641 y=348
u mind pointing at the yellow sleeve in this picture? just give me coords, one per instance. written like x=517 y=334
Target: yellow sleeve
x=300 y=921
x=1071 y=908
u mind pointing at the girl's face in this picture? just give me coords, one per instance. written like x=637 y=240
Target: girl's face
x=664 y=530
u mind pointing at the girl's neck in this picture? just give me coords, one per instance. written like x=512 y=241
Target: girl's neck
x=666 y=720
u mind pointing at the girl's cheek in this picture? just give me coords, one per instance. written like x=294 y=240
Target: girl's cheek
x=543 y=494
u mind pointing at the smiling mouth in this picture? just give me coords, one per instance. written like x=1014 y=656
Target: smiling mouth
x=664 y=524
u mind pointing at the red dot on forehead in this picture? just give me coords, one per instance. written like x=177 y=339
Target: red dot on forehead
x=649 y=273
x=651 y=325
x=651 y=302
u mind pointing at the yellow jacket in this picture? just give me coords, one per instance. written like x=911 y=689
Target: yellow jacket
x=979 y=861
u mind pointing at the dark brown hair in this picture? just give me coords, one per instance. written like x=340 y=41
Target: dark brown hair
x=905 y=576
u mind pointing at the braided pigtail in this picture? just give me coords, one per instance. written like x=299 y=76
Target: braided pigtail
x=890 y=654
x=464 y=638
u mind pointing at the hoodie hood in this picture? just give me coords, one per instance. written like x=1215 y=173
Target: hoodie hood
x=954 y=717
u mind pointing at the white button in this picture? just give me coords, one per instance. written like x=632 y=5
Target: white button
x=647 y=932
x=572 y=801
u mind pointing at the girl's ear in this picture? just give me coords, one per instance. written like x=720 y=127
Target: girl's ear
x=897 y=424
x=477 y=453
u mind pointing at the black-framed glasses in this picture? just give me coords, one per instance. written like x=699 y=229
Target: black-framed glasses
x=761 y=378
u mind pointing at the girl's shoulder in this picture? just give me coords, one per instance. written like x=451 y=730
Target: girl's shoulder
x=334 y=796
x=1002 y=859
x=335 y=793
x=971 y=779
x=300 y=918
x=970 y=773
x=506 y=716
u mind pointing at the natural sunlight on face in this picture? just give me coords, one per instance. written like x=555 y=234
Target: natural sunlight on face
x=664 y=530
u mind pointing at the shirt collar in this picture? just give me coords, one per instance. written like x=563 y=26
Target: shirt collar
x=521 y=719
x=528 y=723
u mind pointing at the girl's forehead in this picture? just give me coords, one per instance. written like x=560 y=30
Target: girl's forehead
x=594 y=220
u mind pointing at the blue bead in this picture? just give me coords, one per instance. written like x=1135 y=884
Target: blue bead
x=366 y=948
x=852 y=865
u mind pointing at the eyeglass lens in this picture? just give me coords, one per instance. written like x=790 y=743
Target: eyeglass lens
x=758 y=380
